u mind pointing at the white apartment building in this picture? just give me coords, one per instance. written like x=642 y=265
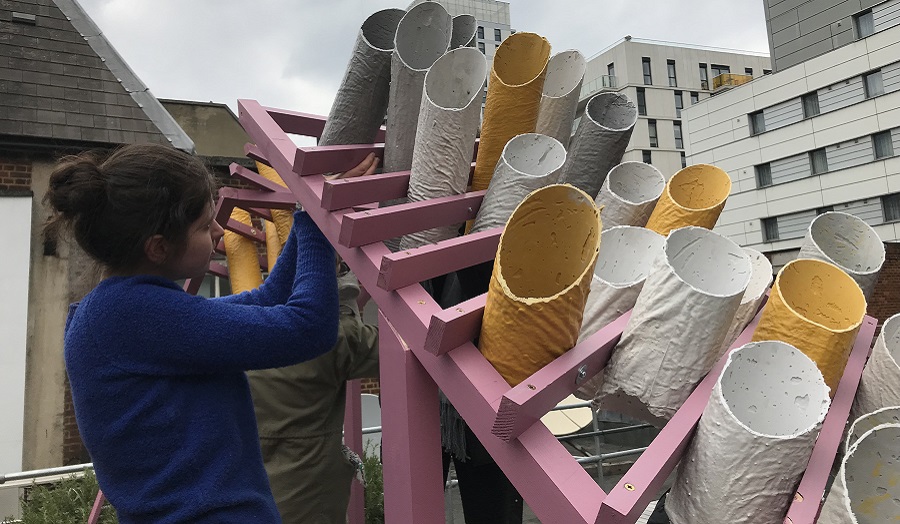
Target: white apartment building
x=663 y=78
x=817 y=136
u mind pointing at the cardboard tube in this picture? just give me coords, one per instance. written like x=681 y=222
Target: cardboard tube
x=754 y=439
x=677 y=325
x=888 y=415
x=540 y=282
x=464 y=31
x=694 y=196
x=760 y=280
x=529 y=162
x=445 y=140
x=273 y=244
x=600 y=141
x=629 y=194
x=818 y=309
x=283 y=218
x=559 y=100
x=423 y=36
x=361 y=101
x=879 y=386
x=242 y=257
x=622 y=267
x=866 y=489
x=514 y=96
x=849 y=243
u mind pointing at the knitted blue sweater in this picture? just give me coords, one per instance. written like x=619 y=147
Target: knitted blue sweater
x=160 y=394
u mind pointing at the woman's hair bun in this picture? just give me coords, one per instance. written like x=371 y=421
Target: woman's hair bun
x=77 y=186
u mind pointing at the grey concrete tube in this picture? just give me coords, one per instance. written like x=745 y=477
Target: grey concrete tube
x=423 y=36
x=445 y=140
x=629 y=194
x=528 y=162
x=888 y=415
x=362 y=99
x=465 y=27
x=879 y=386
x=559 y=100
x=600 y=141
x=760 y=281
x=754 y=439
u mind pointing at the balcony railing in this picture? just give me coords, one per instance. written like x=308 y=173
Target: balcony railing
x=598 y=84
x=729 y=80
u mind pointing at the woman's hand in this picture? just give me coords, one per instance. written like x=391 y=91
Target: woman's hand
x=365 y=168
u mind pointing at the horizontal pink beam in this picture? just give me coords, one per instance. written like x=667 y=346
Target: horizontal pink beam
x=218 y=270
x=455 y=326
x=252 y=198
x=350 y=192
x=417 y=265
x=366 y=227
x=261 y=182
x=245 y=231
x=296 y=123
x=527 y=402
x=805 y=506
x=332 y=159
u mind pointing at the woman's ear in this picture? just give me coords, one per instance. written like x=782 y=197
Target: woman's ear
x=157 y=249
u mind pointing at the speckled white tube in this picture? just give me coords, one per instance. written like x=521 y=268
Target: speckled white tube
x=599 y=142
x=754 y=439
x=629 y=194
x=423 y=36
x=445 y=140
x=528 y=163
x=846 y=241
x=464 y=30
x=866 y=490
x=677 y=325
x=879 y=386
x=622 y=267
x=888 y=415
x=361 y=101
x=559 y=100
x=760 y=281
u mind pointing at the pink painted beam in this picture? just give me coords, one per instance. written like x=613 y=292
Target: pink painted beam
x=366 y=227
x=349 y=192
x=527 y=402
x=356 y=512
x=99 y=501
x=218 y=270
x=255 y=153
x=806 y=504
x=296 y=123
x=417 y=265
x=455 y=326
x=245 y=231
x=332 y=159
x=261 y=213
x=261 y=182
x=252 y=198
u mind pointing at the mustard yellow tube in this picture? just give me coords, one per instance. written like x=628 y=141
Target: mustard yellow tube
x=817 y=308
x=243 y=259
x=541 y=281
x=283 y=219
x=694 y=196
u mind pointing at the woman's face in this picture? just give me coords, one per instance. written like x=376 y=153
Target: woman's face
x=202 y=237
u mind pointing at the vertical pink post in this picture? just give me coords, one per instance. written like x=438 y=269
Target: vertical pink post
x=356 y=511
x=411 y=439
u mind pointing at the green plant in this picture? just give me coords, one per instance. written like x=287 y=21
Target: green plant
x=374 y=486
x=68 y=501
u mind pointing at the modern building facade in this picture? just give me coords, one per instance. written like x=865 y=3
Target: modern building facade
x=821 y=135
x=663 y=78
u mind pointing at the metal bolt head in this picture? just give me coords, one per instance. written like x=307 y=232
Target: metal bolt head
x=582 y=374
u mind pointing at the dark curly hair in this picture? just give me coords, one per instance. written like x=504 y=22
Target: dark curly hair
x=114 y=205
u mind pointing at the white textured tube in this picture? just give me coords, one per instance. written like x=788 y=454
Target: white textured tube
x=849 y=243
x=677 y=325
x=423 y=36
x=760 y=281
x=599 y=142
x=445 y=140
x=464 y=30
x=559 y=100
x=361 y=101
x=754 y=439
x=629 y=194
x=866 y=490
x=622 y=266
x=888 y=415
x=879 y=386
x=528 y=163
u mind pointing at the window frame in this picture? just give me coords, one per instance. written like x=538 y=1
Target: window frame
x=888 y=151
x=679 y=103
x=673 y=75
x=480 y=32
x=770 y=231
x=679 y=134
x=695 y=97
x=611 y=69
x=892 y=202
x=481 y=48
x=641 y=101
x=647 y=71
x=763 y=174
x=812 y=161
x=810 y=101
x=868 y=89
x=646 y=156
x=857 y=27
x=748 y=71
x=757 y=120
x=498 y=36
x=653 y=132
x=704 y=77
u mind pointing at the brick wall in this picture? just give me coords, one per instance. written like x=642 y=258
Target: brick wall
x=15 y=173
x=885 y=301
x=74 y=451
x=370 y=385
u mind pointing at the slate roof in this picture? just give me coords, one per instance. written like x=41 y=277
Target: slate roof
x=61 y=80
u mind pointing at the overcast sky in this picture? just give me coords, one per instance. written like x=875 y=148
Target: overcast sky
x=291 y=54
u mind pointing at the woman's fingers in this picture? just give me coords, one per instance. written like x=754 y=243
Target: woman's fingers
x=364 y=168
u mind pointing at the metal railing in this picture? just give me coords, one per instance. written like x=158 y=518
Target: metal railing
x=598 y=84
x=729 y=80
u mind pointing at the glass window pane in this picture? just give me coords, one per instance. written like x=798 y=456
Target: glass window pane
x=891 y=204
x=497 y=35
x=646 y=156
x=648 y=79
x=651 y=124
x=874 y=84
x=770 y=229
x=810 y=105
x=865 y=24
x=818 y=161
x=642 y=101
x=673 y=82
x=679 y=143
x=884 y=146
x=764 y=175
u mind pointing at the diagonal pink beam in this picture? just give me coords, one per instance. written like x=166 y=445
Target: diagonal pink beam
x=349 y=192
x=523 y=405
x=453 y=327
x=261 y=182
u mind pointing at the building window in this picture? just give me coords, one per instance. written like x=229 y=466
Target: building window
x=679 y=103
x=481 y=47
x=497 y=35
x=748 y=71
x=874 y=84
x=651 y=125
x=641 y=101
x=770 y=229
x=704 y=77
x=679 y=142
x=611 y=69
x=865 y=24
x=719 y=70
x=818 y=161
x=883 y=145
x=767 y=71
x=823 y=210
x=481 y=32
x=695 y=97
x=810 y=104
x=757 y=123
x=670 y=65
x=763 y=175
x=683 y=160
x=891 y=206
x=645 y=63
x=646 y=156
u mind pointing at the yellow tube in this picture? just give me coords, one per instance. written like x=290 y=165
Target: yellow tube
x=273 y=244
x=243 y=259
x=693 y=196
x=283 y=218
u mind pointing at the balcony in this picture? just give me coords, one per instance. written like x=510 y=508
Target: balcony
x=726 y=81
x=601 y=83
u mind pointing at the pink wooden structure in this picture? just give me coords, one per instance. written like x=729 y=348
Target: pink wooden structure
x=424 y=347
